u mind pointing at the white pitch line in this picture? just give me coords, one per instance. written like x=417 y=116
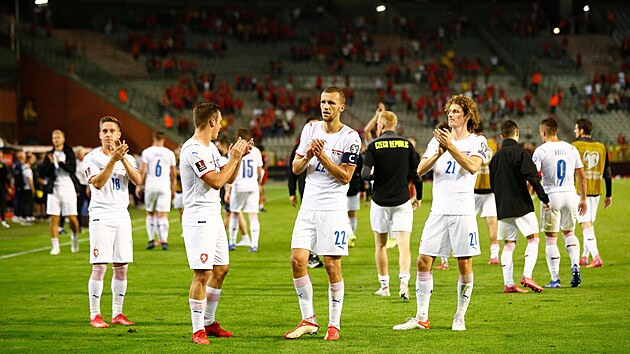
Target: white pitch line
x=140 y=227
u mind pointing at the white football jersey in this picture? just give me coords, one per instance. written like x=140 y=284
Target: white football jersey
x=322 y=190
x=453 y=186
x=200 y=200
x=113 y=198
x=247 y=178
x=557 y=161
x=159 y=161
x=62 y=179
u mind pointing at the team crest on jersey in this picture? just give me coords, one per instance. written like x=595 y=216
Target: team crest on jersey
x=95 y=252
x=203 y=258
x=354 y=148
x=591 y=159
x=484 y=149
x=201 y=166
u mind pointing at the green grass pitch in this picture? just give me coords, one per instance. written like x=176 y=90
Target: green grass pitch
x=44 y=304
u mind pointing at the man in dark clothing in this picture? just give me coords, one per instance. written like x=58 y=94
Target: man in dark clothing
x=510 y=170
x=395 y=161
x=355 y=188
x=299 y=181
x=61 y=188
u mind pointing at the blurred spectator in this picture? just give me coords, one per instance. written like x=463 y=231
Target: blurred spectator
x=123 y=97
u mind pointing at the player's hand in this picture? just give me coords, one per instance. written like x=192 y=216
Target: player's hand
x=443 y=137
x=138 y=192
x=415 y=204
x=318 y=147
x=607 y=202
x=582 y=207
x=380 y=108
x=49 y=157
x=293 y=200
x=546 y=207
x=120 y=150
x=239 y=149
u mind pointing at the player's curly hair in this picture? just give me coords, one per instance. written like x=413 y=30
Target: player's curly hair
x=469 y=107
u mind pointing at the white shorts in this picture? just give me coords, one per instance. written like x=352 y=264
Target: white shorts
x=206 y=244
x=562 y=214
x=323 y=232
x=591 y=210
x=396 y=218
x=509 y=227
x=445 y=233
x=244 y=201
x=110 y=240
x=157 y=199
x=354 y=202
x=63 y=201
x=178 y=201
x=485 y=205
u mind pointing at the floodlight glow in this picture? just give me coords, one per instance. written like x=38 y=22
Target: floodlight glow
x=586 y=8
x=41 y=2
x=381 y=8
x=556 y=30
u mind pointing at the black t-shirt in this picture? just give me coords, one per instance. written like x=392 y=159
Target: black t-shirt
x=395 y=162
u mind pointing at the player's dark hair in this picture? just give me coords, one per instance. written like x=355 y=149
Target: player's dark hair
x=550 y=126
x=203 y=112
x=508 y=129
x=311 y=119
x=478 y=129
x=585 y=125
x=159 y=135
x=443 y=125
x=244 y=133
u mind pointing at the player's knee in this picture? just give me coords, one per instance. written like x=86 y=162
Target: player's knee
x=98 y=271
x=120 y=272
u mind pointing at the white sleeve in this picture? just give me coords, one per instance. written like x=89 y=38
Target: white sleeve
x=90 y=168
x=305 y=139
x=258 y=159
x=432 y=148
x=201 y=159
x=144 y=157
x=480 y=148
x=173 y=158
x=537 y=158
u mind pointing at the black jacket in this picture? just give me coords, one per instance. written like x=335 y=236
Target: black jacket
x=48 y=169
x=510 y=170
x=298 y=181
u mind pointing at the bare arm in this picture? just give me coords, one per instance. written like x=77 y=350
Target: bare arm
x=143 y=176
x=343 y=174
x=216 y=180
x=99 y=180
x=173 y=181
x=469 y=163
x=300 y=163
x=371 y=125
x=134 y=176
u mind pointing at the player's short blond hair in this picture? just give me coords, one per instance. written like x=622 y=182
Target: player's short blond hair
x=389 y=119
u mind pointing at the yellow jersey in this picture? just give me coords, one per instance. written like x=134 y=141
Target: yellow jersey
x=593 y=155
x=483 y=175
